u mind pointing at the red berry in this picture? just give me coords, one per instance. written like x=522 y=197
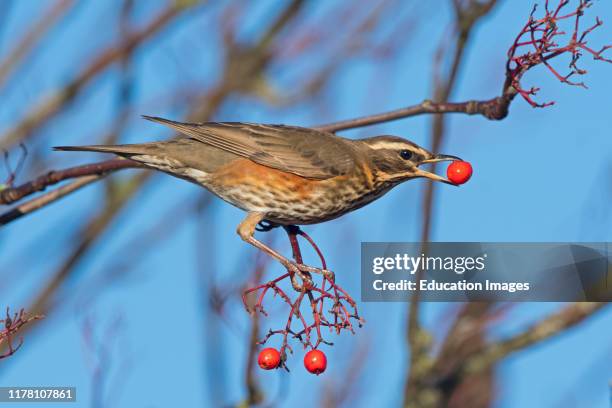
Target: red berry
x=459 y=172
x=315 y=362
x=269 y=358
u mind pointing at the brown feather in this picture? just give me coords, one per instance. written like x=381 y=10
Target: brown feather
x=306 y=152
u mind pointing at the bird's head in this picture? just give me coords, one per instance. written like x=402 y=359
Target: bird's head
x=396 y=159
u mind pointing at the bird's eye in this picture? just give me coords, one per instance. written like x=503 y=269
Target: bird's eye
x=406 y=154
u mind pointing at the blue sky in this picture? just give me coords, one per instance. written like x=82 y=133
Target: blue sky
x=540 y=175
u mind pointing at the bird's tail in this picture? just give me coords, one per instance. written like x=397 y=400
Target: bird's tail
x=127 y=150
x=121 y=150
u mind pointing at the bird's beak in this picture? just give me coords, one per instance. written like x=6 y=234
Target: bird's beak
x=441 y=157
x=435 y=159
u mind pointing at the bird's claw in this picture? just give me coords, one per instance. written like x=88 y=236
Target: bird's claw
x=297 y=270
x=304 y=271
x=300 y=287
x=329 y=275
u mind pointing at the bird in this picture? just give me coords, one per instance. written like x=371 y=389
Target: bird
x=281 y=175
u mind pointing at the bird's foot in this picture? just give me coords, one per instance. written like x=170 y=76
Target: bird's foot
x=299 y=270
x=329 y=275
x=303 y=271
x=305 y=285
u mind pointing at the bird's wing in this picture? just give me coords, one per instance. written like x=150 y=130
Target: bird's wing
x=306 y=152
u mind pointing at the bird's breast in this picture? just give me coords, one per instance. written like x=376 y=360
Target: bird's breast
x=287 y=198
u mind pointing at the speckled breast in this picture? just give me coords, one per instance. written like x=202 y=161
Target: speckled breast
x=286 y=198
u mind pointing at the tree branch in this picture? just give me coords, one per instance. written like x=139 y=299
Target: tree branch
x=549 y=327
x=12 y=194
x=494 y=109
x=45 y=199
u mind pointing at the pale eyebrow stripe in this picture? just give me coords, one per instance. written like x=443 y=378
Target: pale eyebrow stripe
x=390 y=145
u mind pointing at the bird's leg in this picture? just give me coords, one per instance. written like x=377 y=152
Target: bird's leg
x=295 y=249
x=293 y=231
x=246 y=230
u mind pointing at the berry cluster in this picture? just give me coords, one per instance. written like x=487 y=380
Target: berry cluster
x=315 y=361
x=328 y=305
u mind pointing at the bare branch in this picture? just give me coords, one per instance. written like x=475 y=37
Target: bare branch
x=13 y=194
x=495 y=109
x=45 y=199
x=540 y=36
x=543 y=33
x=12 y=324
x=567 y=318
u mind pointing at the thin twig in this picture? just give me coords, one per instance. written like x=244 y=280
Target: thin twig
x=10 y=326
x=45 y=199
